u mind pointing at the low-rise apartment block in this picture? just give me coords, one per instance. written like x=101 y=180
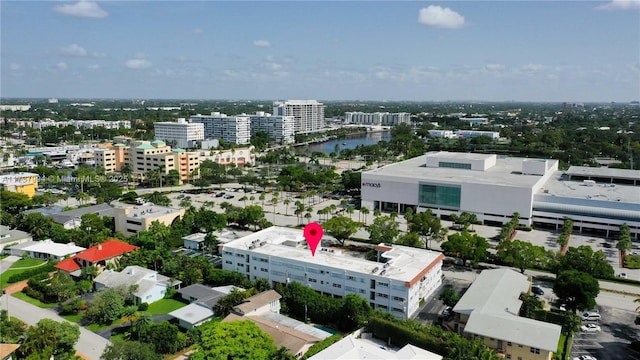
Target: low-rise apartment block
x=129 y=219
x=489 y=310
x=397 y=283
x=377 y=118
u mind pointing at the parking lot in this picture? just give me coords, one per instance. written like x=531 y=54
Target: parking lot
x=612 y=342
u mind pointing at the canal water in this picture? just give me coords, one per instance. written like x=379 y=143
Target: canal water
x=350 y=142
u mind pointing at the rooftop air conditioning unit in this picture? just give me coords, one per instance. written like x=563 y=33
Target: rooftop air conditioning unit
x=383 y=272
x=375 y=270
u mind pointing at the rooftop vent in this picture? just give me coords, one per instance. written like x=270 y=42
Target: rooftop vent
x=383 y=272
x=375 y=270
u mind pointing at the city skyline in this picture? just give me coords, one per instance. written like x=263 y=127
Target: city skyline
x=414 y=51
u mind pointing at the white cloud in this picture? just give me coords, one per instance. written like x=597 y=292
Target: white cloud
x=261 y=43
x=182 y=58
x=62 y=66
x=72 y=50
x=14 y=67
x=620 y=5
x=82 y=9
x=440 y=17
x=93 y=67
x=494 y=67
x=198 y=31
x=533 y=67
x=138 y=64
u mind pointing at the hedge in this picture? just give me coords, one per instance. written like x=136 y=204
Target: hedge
x=29 y=273
x=400 y=335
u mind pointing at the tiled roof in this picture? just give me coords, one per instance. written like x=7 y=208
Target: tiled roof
x=68 y=265
x=106 y=250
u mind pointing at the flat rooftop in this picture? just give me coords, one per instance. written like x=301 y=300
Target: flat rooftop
x=405 y=264
x=150 y=211
x=559 y=185
x=458 y=155
x=603 y=172
x=506 y=172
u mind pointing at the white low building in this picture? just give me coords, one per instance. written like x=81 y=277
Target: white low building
x=150 y=286
x=403 y=277
x=46 y=250
x=494 y=187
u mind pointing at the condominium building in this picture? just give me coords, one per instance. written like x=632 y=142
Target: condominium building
x=231 y=129
x=23 y=183
x=308 y=114
x=110 y=159
x=396 y=283
x=279 y=128
x=181 y=133
x=377 y=118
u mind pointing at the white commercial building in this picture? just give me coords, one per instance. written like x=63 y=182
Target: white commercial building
x=494 y=187
x=279 y=128
x=231 y=129
x=377 y=119
x=308 y=114
x=475 y=120
x=180 y=134
x=397 y=283
x=470 y=134
x=444 y=134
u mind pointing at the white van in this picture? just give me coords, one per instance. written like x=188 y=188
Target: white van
x=591 y=316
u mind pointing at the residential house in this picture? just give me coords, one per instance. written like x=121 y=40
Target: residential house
x=361 y=346
x=71 y=219
x=264 y=310
x=488 y=311
x=45 y=250
x=149 y=285
x=99 y=255
x=10 y=237
x=202 y=300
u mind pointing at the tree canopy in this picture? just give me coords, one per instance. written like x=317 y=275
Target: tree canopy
x=467 y=246
x=234 y=340
x=341 y=228
x=576 y=289
x=583 y=258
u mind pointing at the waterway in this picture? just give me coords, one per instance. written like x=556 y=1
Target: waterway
x=350 y=142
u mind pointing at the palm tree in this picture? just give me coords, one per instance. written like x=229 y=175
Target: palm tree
x=244 y=198
x=365 y=212
x=82 y=197
x=308 y=217
x=286 y=203
x=571 y=325
x=142 y=323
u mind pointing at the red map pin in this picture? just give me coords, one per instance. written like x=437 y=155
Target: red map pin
x=313 y=234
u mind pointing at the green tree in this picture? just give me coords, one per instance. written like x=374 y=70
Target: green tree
x=410 y=239
x=355 y=311
x=11 y=329
x=49 y=338
x=106 y=306
x=341 y=228
x=449 y=297
x=426 y=225
x=530 y=304
x=383 y=229
x=159 y=199
x=165 y=337
x=624 y=239
x=13 y=202
x=129 y=350
x=467 y=247
x=520 y=254
x=106 y=191
x=234 y=340
x=576 y=289
x=584 y=259
x=172 y=177
x=570 y=326
x=225 y=305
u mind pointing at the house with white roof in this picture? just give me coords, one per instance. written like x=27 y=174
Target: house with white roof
x=359 y=346
x=151 y=286
x=46 y=250
x=202 y=300
x=489 y=310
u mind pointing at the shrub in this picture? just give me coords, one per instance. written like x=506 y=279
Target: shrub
x=143 y=307
x=632 y=262
x=29 y=273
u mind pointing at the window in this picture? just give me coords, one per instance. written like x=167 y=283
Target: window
x=508 y=356
x=385 y=296
x=313 y=280
x=228 y=262
x=535 y=350
x=383 y=284
x=439 y=195
x=397 y=298
x=509 y=343
x=264 y=269
x=337 y=286
x=352 y=278
x=453 y=165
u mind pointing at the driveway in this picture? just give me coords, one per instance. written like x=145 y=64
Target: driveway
x=90 y=344
x=7 y=262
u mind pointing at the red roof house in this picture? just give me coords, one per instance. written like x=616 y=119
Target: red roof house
x=98 y=255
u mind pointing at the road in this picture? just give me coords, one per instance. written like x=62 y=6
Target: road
x=90 y=344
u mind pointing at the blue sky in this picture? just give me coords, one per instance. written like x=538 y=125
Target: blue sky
x=326 y=50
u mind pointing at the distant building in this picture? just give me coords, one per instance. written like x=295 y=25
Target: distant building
x=181 y=133
x=237 y=156
x=150 y=286
x=377 y=118
x=15 y=107
x=308 y=114
x=443 y=134
x=231 y=129
x=23 y=183
x=194 y=241
x=488 y=311
x=470 y=134
x=474 y=120
x=397 y=283
x=71 y=219
x=281 y=129
x=129 y=219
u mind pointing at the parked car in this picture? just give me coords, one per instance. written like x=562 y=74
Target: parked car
x=623 y=276
x=538 y=291
x=180 y=196
x=584 y=357
x=590 y=328
x=446 y=312
x=563 y=307
x=591 y=316
x=229 y=196
x=220 y=194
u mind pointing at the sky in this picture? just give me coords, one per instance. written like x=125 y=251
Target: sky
x=576 y=51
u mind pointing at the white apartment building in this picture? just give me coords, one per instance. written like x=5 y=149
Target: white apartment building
x=281 y=129
x=397 y=283
x=231 y=129
x=445 y=134
x=470 y=134
x=181 y=133
x=308 y=114
x=377 y=118
x=82 y=124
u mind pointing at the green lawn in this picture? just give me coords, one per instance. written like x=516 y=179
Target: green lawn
x=74 y=318
x=22 y=296
x=165 y=306
x=98 y=327
x=561 y=346
x=18 y=267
